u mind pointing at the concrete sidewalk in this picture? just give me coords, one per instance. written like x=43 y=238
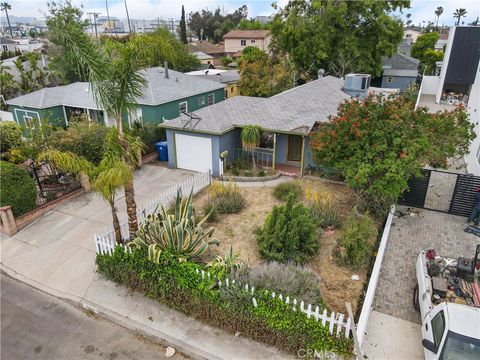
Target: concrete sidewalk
x=56 y=254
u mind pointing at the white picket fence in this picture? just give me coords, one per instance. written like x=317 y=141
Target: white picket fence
x=336 y=323
x=195 y=183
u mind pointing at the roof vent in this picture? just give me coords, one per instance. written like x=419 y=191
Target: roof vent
x=321 y=73
x=165 y=65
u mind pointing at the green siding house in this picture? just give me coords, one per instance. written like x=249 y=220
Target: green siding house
x=166 y=95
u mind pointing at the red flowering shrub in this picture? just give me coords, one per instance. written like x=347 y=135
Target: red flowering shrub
x=379 y=144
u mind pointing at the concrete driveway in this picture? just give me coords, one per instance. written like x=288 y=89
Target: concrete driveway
x=57 y=251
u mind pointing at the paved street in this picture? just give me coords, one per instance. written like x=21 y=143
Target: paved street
x=39 y=326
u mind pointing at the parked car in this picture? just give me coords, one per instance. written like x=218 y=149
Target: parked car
x=447 y=295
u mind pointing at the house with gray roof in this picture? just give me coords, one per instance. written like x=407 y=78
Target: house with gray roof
x=166 y=95
x=207 y=138
x=399 y=71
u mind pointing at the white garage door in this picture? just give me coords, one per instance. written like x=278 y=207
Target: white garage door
x=193 y=152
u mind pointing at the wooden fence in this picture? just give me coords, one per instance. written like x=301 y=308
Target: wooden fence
x=194 y=183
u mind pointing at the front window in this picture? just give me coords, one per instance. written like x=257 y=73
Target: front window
x=389 y=80
x=29 y=123
x=460 y=347
x=438 y=327
x=243 y=42
x=201 y=100
x=252 y=41
x=211 y=99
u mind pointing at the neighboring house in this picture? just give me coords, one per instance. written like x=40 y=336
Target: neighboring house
x=399 y=71
x=165 y=96
x=237 y=40
x=412 y=33
x=405 y=47
x=217 y=51
x=196 y=142
x=230 y=78
x=204 y=58
x=458 y=83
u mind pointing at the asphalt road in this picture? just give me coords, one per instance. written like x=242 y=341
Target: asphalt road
x=35 y=325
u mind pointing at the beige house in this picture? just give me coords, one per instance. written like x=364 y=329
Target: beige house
x=237 y=40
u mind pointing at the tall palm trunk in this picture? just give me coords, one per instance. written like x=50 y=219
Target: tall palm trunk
x=253 y=160
x=116 y=222
x=8 y=20
x=128 y=186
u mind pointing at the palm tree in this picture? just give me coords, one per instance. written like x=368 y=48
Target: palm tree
x=128 y=18
x=438 y=13
x=458 y=14
x=409 y=21
x=110 y=175
x=251 y=135
x=4 y=6
x=116 y=81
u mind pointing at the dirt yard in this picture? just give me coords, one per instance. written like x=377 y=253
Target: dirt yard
x=237 y=230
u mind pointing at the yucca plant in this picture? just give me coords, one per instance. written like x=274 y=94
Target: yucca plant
x=179 y=233
x=251 y=136
x=229 y=263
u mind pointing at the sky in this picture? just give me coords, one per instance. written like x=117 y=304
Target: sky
x=421 y=10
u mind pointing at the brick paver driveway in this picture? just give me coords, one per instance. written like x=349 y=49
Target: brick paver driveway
x=409 y=234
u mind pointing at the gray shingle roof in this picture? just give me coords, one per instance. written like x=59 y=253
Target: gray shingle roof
x=158 y=90
x=295 y=110
x=401 y=62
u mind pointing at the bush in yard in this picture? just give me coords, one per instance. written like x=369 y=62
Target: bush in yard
x=210 y=210
x=284 y=190
x=180 y=285
x=288 y=279
x=354 y=247
x=149 y=134
x=226 y=197
x=288 y=234
x=379 y=144
x=321 y=207
x=10 y=135
x=17 y=189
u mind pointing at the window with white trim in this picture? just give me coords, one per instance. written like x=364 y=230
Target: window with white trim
x=252 y=41
x=389 y=79
x=211 y=99
x=201 y=100
x=135 y=116
x=28 y=121
x=243 y=42
x=183 y=107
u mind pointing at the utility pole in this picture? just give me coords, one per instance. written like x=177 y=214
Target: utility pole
x=95 y=14
x=128 y=18
x=158 y=23
x=171 y=25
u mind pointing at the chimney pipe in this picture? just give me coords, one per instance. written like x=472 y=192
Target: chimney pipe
x=165 y=65
x=320 y=73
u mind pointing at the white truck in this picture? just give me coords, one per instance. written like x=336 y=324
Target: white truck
x=447 y=295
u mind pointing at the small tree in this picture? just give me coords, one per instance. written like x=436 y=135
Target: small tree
x=379 y=144
x=183 y=27
x=251 y=135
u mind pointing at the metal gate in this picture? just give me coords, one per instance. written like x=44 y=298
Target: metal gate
x=458 y=199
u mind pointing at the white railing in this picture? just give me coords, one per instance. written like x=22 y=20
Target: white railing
x=194 y=183
x=372 y=284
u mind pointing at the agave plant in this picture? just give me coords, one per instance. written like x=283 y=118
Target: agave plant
x=230 y=262
x=179 y=233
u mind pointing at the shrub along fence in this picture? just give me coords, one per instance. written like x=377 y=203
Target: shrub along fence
x=210 y=295
x=194 y=183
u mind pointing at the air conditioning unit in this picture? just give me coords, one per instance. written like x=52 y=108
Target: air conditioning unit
x=356 y=82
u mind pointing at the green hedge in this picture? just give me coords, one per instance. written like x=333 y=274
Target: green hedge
x=17 y=189
x=178 y=285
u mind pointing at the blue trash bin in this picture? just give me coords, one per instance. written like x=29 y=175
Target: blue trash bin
x=162 y=150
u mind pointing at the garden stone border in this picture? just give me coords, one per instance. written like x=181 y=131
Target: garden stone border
x=250 y=178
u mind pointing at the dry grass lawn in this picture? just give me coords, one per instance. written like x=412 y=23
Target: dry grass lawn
x=237 y=230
